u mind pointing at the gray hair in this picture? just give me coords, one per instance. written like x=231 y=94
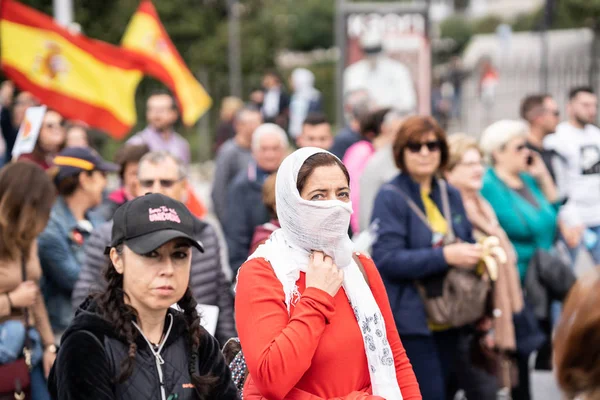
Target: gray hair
x=498 y=134
x=157 y=157
x=266 y=129
x=357 y=104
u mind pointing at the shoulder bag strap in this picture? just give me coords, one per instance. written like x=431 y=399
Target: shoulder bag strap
x=415 y=208
x=516 y=209
x=27 y=345
x=24 y=278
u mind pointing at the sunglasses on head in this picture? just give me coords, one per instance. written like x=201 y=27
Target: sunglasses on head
x=416 y=147
x=165 y=183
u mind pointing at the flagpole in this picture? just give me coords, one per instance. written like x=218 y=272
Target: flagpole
x=235 y=67
x=63 y=12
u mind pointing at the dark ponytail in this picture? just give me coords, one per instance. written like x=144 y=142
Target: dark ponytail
x=203 y=383
x=121 y=315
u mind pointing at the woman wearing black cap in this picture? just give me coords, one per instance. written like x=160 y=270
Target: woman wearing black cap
x=80 y=179
x=127 y=343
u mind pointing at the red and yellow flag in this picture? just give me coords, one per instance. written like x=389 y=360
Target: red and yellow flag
x=147 y=36
x=80 y=78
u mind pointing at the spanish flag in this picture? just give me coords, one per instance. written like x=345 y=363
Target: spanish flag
x=146 y=35
x=80 y=78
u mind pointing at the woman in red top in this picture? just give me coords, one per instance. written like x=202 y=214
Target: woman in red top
x=313 y=322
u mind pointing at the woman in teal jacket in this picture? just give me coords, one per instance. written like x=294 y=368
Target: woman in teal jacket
x=522 y=193
x=520 y=189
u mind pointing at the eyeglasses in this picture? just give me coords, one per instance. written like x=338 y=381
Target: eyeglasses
x=431 y=146
x=165 y=183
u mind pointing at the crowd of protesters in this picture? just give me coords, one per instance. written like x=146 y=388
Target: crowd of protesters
x=470 y=253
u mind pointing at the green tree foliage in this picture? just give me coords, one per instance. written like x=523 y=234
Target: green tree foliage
x=583 y=9
x=198 y=28
x=459 y=29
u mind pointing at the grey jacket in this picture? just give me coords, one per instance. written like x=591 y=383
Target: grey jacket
x=207 y=280
x=230 y=160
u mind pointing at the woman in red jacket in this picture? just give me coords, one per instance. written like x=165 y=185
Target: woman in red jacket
x=313 y=318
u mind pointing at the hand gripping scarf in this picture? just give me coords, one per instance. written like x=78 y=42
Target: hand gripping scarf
x=323 y=225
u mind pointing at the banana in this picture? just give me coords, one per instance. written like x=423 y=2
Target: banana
x=491 y=266
x=499 y=253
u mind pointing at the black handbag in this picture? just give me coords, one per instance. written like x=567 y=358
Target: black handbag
x=528 y=333
x=548 y=278
x=15 y=378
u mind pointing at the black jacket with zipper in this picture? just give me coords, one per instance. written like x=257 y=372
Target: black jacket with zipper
x=91 y=353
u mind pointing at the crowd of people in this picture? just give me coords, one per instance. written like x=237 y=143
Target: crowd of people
x=460 y=285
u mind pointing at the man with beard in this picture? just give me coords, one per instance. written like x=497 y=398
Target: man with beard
x=578 y=142
x=542 y=114
x=162 y=115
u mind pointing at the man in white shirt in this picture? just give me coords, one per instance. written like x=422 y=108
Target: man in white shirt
x=388 y=81
x=578 y=141
x=276 y=101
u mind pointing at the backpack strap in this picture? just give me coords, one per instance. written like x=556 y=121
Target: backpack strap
x=361 y=267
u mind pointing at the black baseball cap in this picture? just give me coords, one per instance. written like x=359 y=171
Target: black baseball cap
x=74 y=160
x=147 y=222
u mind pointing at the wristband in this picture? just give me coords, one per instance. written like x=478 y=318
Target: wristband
x=10 y=304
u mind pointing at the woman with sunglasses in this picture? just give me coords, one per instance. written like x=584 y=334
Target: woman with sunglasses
x=522 y=193
x=80 y=180
x=50 y=140
x=408 y=251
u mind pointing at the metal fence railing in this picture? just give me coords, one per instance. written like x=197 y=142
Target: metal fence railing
x=517 y=79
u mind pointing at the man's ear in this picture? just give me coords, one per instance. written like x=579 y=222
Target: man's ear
x=117 y=260
x=83 y=178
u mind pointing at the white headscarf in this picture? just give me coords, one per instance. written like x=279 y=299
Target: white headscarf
x=323 y=225
x=303 y=81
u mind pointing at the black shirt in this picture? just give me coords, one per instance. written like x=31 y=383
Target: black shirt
x=547 y=156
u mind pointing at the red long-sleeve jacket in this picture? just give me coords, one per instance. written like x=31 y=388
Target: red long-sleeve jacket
x=318 y=351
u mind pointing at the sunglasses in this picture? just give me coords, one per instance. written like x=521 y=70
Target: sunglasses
x=165 y=183
x=431 y=146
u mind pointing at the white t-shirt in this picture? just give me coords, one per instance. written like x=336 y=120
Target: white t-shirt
x=581 y=149
x=389 y=82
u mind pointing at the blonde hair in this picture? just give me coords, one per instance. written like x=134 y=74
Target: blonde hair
x=498 y=134
x=458 y=145
x=230 y=105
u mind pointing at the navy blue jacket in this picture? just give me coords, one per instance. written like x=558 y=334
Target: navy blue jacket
x=403 y=251
x=343 y=140
x=245 y=211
